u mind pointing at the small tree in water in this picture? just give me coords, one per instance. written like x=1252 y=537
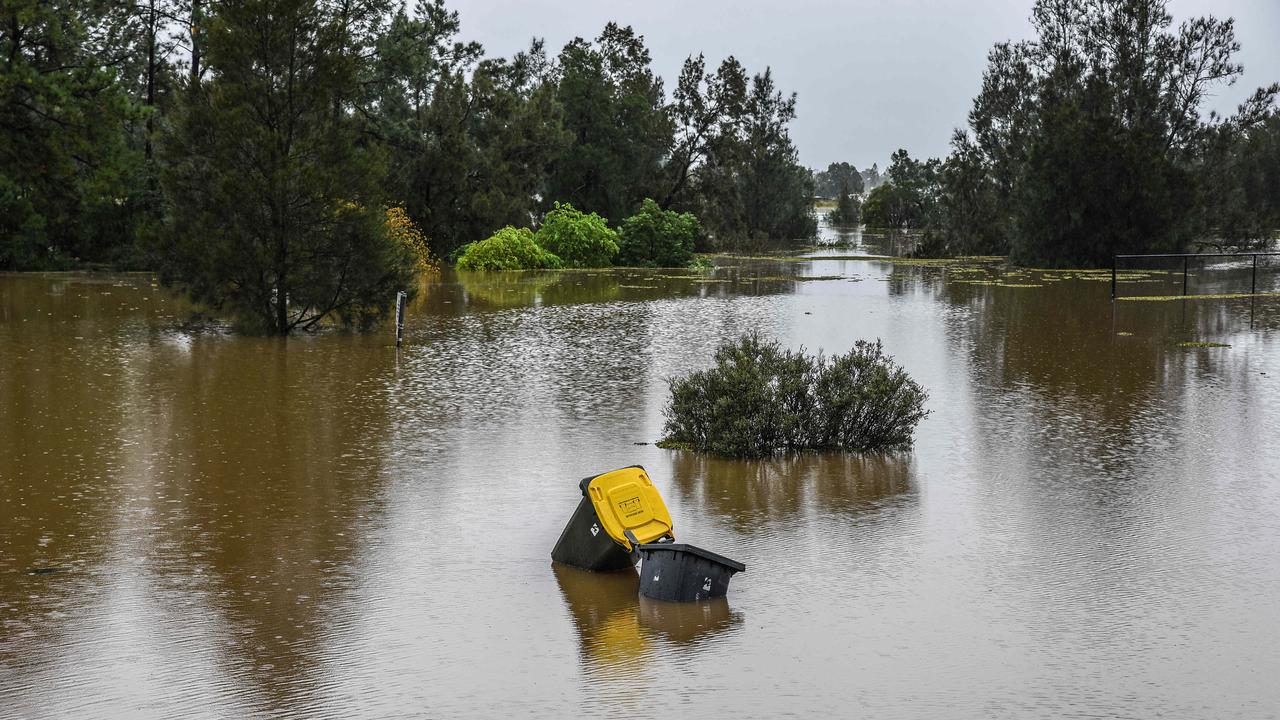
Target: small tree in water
x=848 y=210
x=760 y=399
x=275 y=199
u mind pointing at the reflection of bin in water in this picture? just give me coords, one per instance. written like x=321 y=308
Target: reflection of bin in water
x=604 y=610
x=613 y=504
x=683 y=573
x=685 y=622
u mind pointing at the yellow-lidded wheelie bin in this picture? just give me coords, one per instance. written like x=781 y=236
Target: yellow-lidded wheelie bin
x=613 y=505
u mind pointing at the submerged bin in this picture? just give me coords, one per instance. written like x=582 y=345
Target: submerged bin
x=683 y=573
x=613 y=505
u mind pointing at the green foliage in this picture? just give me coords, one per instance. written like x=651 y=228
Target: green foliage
x=705 y=107
x=839 y=178
x=971 y=218
x=508 y=249
x=760 y=399
x=1088 y=140
x=907 y=198
x=752 y=190
x=1242 y=177
x=65 y=165
x=579 y=239
x=470 y=139
x=1090 y=189
x=890 y=207
x=655 y=237
x=118 y=123
x=848 y=211
x=276 y=204
x=614 y=109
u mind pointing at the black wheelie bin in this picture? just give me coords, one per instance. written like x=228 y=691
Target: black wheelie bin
x=683 y=573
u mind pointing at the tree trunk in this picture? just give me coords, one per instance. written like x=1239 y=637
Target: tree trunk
x=196 y=19
x=151 y=78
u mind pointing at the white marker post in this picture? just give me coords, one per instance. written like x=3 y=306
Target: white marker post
x=400 y=296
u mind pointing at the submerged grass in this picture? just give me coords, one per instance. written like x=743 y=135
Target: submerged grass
x=799 y=278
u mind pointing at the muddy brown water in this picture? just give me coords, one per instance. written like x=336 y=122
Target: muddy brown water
x=194 y=524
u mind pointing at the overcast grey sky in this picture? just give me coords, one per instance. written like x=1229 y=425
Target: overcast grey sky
x=872 y=75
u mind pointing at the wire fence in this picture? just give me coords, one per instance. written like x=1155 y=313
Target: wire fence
x=1195 y=274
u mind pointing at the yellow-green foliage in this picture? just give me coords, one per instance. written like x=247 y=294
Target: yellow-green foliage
x=402 y=229
x=508 y=249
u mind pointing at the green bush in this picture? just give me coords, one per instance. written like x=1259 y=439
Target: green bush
x=760 y=399
x=579 y=239
x=655 y=237
x=508 y=249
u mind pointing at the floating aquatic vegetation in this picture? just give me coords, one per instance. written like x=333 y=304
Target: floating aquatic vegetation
x=778 y=258
x=1018 y=285
x=1213 y=296
x=639 y=287
x=1202 y=344
x=1125 y=333
x=796 y=277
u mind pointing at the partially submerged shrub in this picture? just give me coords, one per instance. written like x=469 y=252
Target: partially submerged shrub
x=655 y=237
x=760 y=399
x=578 y=238
x=508 y=249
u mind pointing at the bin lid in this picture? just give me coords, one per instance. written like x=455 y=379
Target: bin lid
x=681 y=547
x=627 y=500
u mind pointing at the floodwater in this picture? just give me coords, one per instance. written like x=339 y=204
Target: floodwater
x=194 y=524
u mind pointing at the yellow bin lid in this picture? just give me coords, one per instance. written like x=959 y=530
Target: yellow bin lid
x=627 y=500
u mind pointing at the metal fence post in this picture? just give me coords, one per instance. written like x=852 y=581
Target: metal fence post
x=1114 y=260
x=1185 y=261
x=1253 y=286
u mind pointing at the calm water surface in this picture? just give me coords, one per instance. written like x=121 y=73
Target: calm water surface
x=232 y=527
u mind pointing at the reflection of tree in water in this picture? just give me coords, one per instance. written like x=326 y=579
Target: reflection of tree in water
x=268 y=455
x=745 y=492
x=65 y=347
x=894 y=243
x=497 y=290
x=507 y=289
x=1050 y=358
x=211 y=488
x=256 y=469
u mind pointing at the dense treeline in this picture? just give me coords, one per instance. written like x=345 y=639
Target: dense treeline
x=1089 y=141
x=249 y=148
